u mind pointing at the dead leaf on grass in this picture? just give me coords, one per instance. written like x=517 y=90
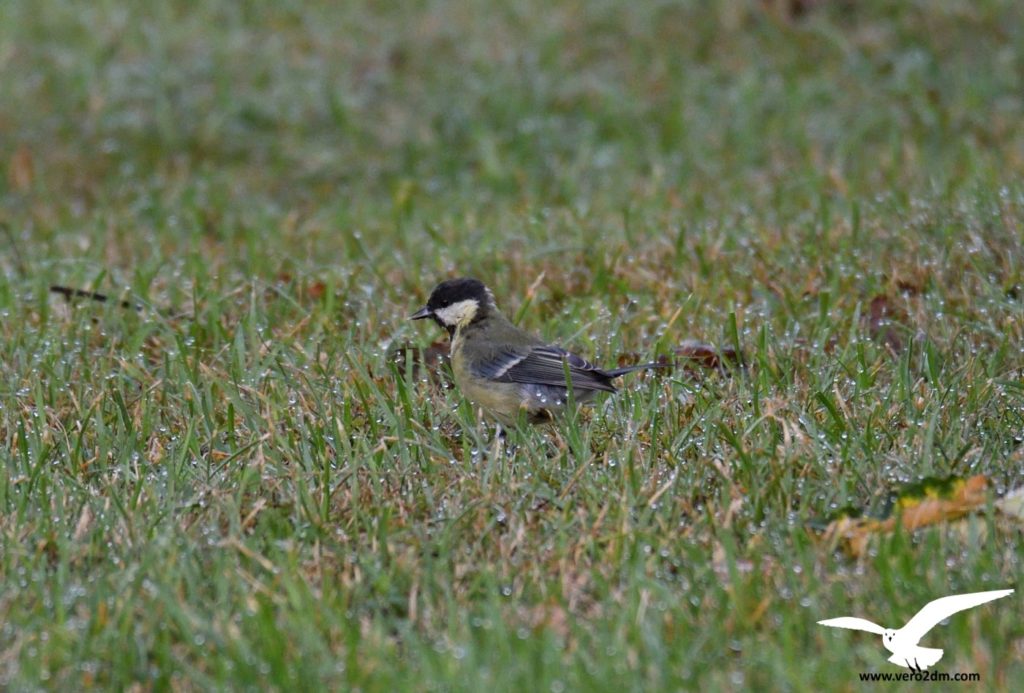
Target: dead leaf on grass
x=316 y=290
x=708 y=356
x=883 y=321
x=21 y=169
x=434 y=359
x=791 y=9
x=926 y=503
x=696 y=358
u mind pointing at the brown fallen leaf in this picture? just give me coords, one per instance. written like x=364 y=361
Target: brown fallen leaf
x=699 y=353
x=930 y=502
x=941 y=500
x=691 y=352
x=791 y=9
x=316 y=290
x=21 y=169
x=434 y=359
x=911 y=286
x=883 y=321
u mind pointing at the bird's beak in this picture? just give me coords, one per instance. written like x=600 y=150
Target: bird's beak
x=423 y=312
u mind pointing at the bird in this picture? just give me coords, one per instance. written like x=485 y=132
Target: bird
x=903 y=642
x=503 y=369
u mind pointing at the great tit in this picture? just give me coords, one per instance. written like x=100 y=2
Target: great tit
x=503 y=369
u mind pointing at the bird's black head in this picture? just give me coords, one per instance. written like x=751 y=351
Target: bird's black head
x=452 y=291
x=456 y=302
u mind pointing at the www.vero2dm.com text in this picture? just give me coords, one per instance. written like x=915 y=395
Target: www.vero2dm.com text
x=922 y=676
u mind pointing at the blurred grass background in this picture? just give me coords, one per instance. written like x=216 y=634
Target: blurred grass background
x=233 y=488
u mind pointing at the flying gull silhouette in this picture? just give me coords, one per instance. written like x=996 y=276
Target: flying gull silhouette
x=903 y=642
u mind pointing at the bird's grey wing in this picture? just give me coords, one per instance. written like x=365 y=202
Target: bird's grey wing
x=546 y=365
x=853 y=623
x=494 y=363
x=934 y=612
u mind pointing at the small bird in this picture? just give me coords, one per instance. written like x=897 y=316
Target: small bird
x=903 y=643
x=503 y=369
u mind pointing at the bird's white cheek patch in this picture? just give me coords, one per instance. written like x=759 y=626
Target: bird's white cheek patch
x=458 y=313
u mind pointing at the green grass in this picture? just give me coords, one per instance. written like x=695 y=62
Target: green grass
x=234 y=488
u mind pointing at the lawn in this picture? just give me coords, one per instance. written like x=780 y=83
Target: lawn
x=231 y=482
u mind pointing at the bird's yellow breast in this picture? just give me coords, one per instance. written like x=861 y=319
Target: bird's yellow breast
x=501 y=400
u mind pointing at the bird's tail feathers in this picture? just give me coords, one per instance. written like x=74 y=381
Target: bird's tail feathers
x=629 y=369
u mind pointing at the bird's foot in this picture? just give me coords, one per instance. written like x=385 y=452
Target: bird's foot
x=557 y=445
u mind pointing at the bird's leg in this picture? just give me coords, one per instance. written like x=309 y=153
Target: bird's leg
x=502 y=441
x=556 y=444
x=500 y=437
